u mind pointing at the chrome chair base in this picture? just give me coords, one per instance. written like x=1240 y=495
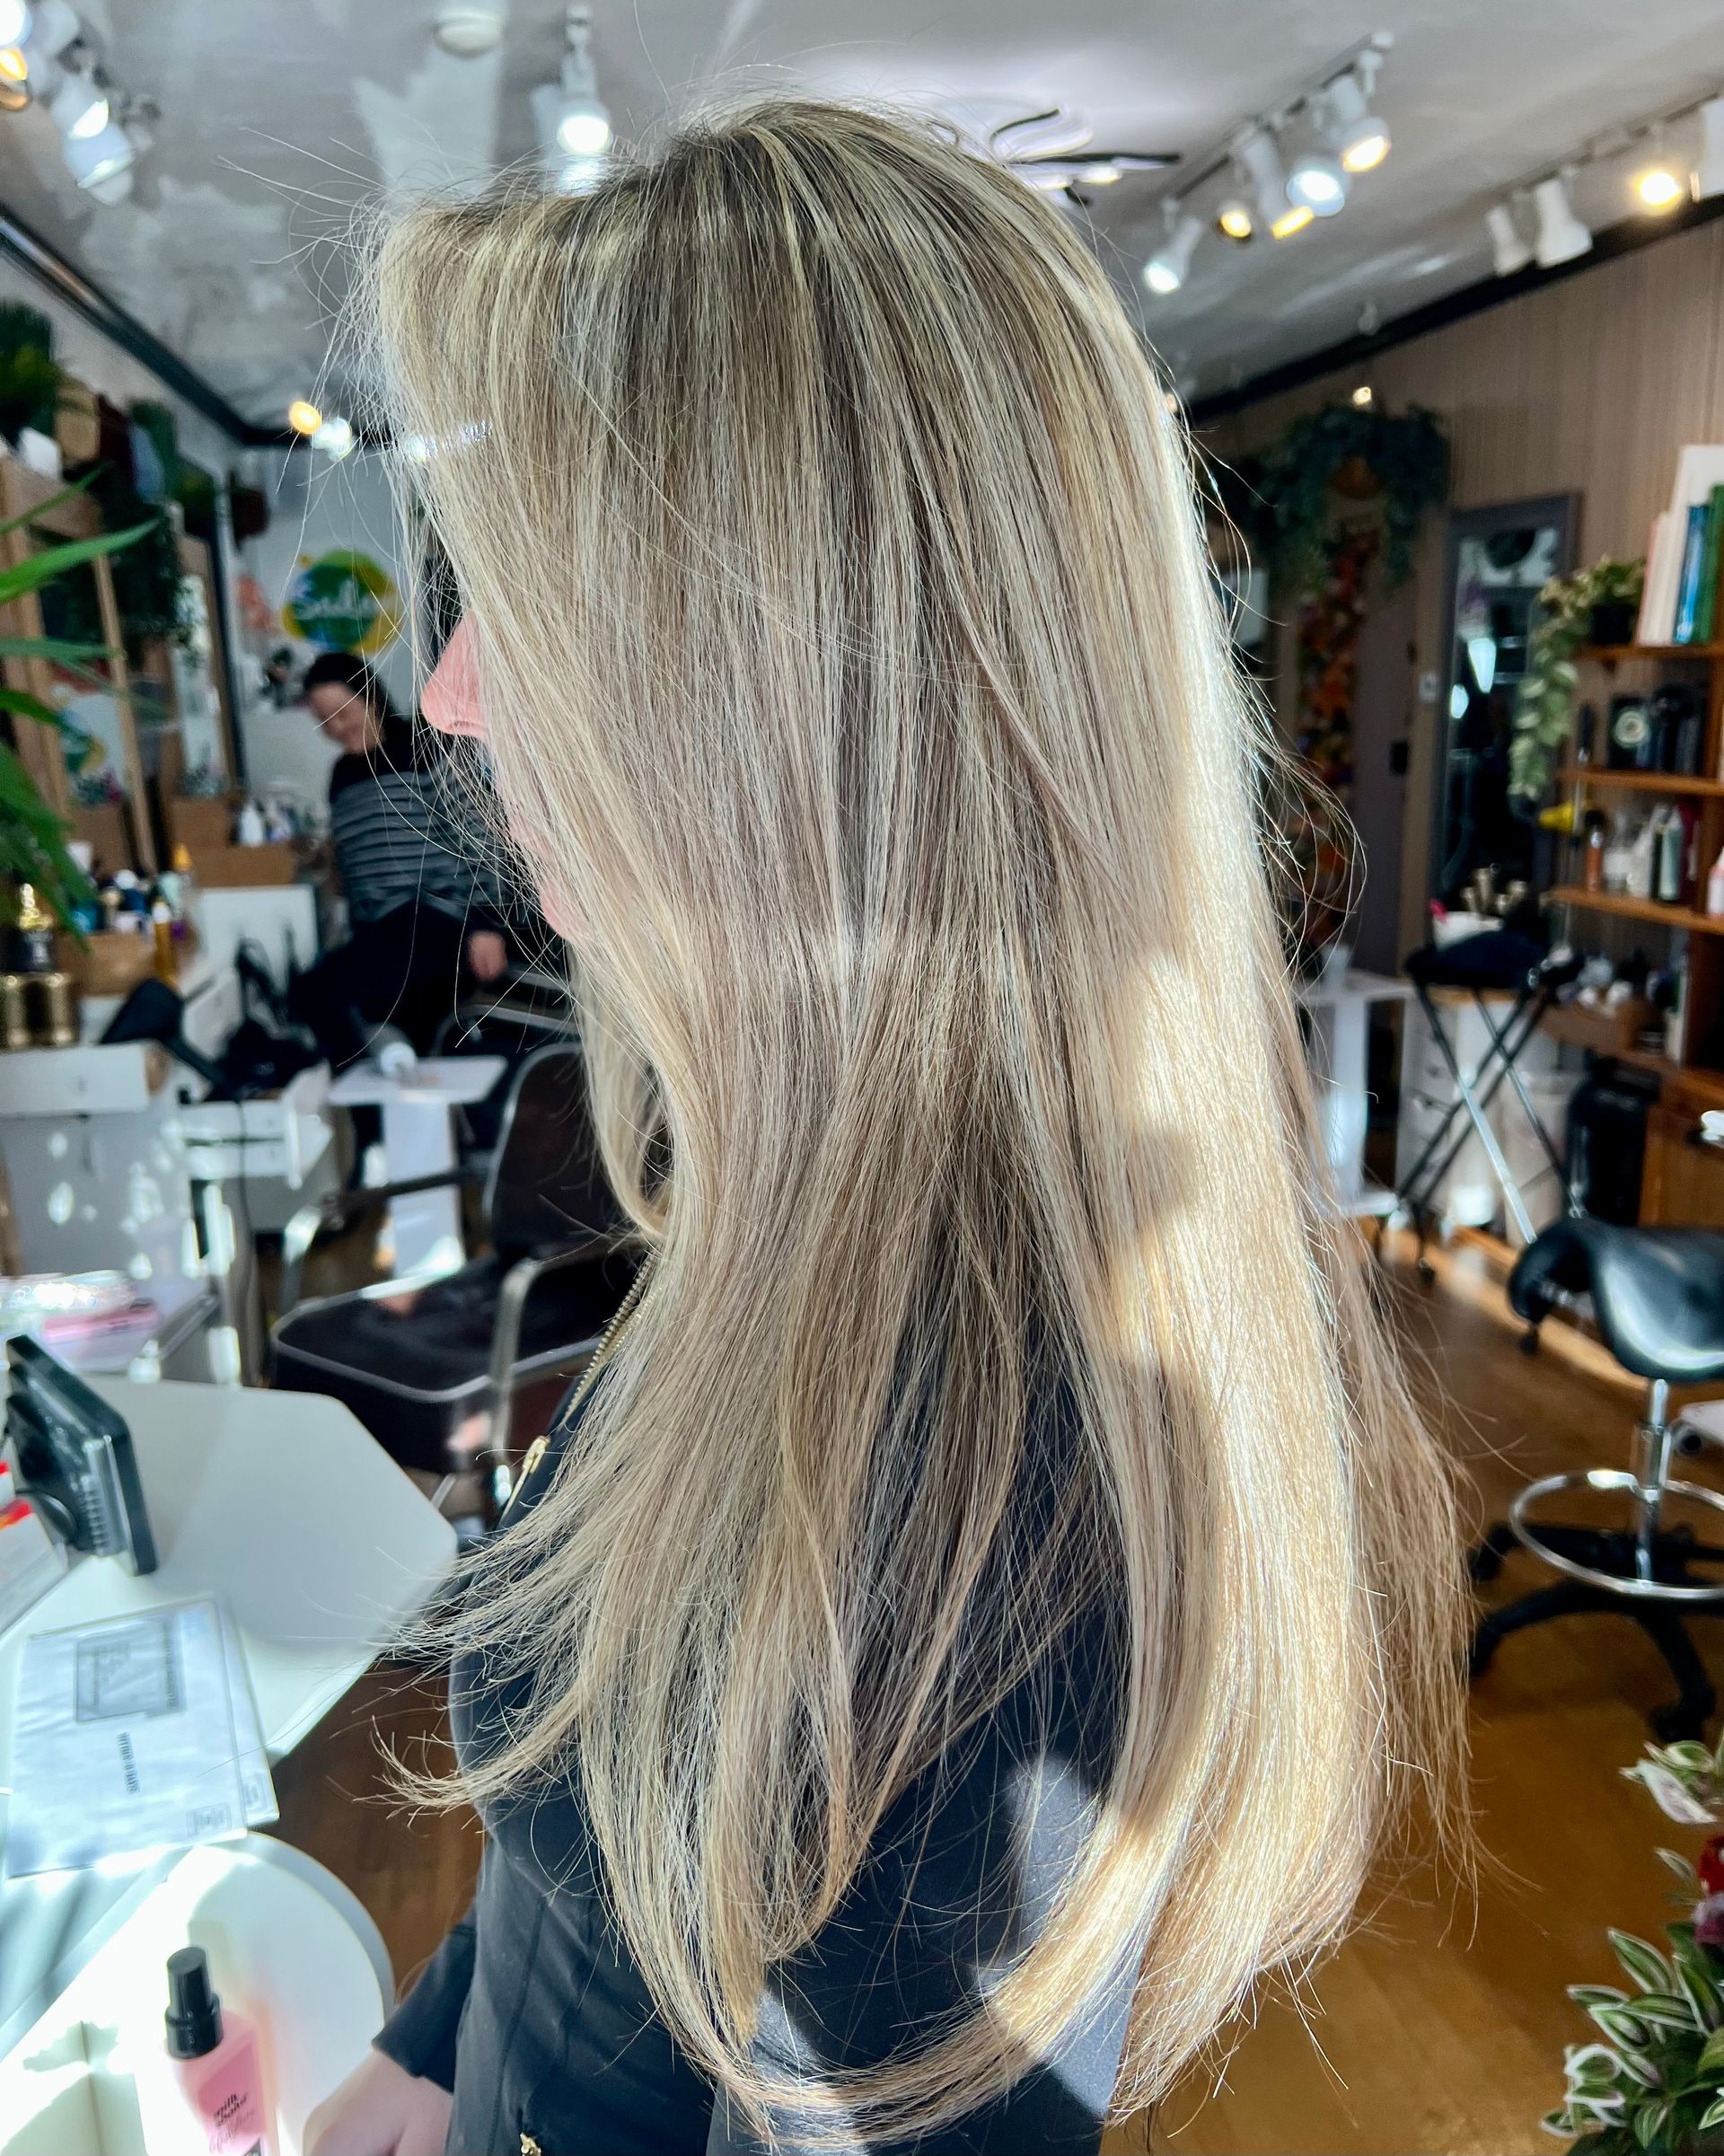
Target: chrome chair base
x=1643 y=1569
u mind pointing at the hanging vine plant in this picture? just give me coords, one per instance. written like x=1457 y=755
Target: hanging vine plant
x=1394 y=466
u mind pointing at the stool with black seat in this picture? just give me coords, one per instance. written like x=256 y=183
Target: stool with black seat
x=1494 y=961
x=431 y=1366
x=1657 y=1299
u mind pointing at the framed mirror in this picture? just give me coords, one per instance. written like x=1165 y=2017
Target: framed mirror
x=1499 y=559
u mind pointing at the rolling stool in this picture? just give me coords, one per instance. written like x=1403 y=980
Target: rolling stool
x=1658 y=1295
x=1502 y=962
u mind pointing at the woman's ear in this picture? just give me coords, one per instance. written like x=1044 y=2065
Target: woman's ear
x=451 y=700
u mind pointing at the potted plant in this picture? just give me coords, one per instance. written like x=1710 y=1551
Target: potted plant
x=32 y=837
x=1652 y=2082
x=1544 y=703
x=31 y=377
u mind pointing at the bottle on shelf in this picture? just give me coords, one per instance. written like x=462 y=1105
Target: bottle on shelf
x=1715 y=888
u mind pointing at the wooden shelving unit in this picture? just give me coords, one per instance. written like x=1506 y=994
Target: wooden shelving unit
x=1669 y=1191
x=1603 y=781
x=1635 y=908
x=1613 y=654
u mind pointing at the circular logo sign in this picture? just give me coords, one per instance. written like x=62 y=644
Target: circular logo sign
x=343 y=601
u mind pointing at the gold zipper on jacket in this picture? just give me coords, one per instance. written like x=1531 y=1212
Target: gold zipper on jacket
x=536 y=1451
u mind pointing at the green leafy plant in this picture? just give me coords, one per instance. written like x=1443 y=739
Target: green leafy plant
x=1652 y=2084
x=31 y=377
x=32 y=837
x=1392 y=465
x=1544 y=703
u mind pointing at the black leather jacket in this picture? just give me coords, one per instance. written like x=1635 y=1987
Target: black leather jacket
x=532 y=2013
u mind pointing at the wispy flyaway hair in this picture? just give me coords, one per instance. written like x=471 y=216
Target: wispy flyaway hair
x=856 y=690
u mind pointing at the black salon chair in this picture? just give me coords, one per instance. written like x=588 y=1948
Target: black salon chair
x=431 y=1367
x=1657 y=1299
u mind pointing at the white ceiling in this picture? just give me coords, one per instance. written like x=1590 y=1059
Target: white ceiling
x=280 y=118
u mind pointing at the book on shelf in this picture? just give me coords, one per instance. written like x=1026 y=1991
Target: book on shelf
x=1700 y=468
x=1693 y=553
x=1706 y=606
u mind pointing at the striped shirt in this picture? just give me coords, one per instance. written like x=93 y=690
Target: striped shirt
x=401 y=839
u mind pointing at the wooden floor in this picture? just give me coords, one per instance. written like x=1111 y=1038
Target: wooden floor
x=1440 y=2025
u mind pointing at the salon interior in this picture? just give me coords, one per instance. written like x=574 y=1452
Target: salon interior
x=302 y=1241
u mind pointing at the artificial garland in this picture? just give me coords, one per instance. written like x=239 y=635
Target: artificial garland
x=1544 y=703
x=1391 y=467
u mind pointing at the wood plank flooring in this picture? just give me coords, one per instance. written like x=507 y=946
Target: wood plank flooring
x=1440 y=2025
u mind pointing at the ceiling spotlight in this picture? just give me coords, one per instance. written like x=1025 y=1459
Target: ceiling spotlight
x=1315 y=182
x=1561 y=236
x=99 y=157
x=13 y=67
x=1165 y=270
x=468 y=32
x=14 y=21
x=334 y=437
x=1708 y=173
x=1510 y=251
x=1234 y=220
x=1294 y=218
x=583 y=124
x=303 y=417
x=79 y=108
x=1260 y=160
x=1360 y=138
x=50 y=26
x=1364 y=397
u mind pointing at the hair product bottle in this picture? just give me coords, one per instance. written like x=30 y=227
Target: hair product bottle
x=215 y=2067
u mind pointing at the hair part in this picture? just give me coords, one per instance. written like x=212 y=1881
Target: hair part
x=858 y=690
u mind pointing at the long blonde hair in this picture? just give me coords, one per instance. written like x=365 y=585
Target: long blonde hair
x=857 y=693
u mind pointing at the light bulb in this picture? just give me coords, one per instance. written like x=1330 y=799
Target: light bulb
x=1364 y=396
x=1234 y=219
x=303 y=417
x=1318 y=182
x=1360 y=138
x=1294 y=218
x=1658 y=188
x=1366 y=152
x=13 y=67
x=14 y=25
x=1165 y=270
x=79 y=108
x=584 y=128
x=334 y=437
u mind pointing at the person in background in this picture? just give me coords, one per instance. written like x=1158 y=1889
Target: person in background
x=423 y=909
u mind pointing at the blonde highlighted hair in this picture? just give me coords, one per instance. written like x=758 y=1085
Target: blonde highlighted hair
x=858 y=694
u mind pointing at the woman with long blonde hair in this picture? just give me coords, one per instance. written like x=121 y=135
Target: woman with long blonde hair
x=991 y=1596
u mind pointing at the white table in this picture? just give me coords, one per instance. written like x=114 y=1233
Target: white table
x=419 y=1140
x=282 y=1504
x=1340 y=1044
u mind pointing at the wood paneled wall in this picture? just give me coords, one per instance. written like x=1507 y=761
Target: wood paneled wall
x=1589 y=386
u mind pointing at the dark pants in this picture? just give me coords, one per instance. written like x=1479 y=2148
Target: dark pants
x=403 y=971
